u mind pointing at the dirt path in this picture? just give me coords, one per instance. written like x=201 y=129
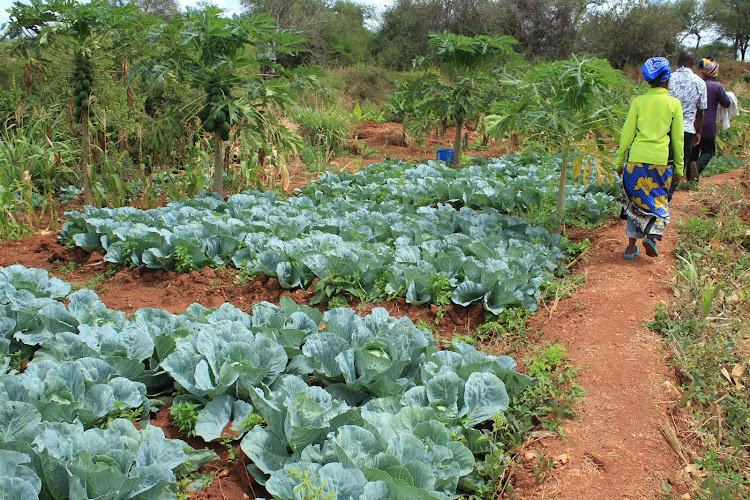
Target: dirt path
x=615 y=447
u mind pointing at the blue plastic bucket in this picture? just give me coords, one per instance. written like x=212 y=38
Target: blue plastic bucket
x=445 y=155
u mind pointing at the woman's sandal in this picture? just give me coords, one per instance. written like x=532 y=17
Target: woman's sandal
x=650 y=246
x=632 y=255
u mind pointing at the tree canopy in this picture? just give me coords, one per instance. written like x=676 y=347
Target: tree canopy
x=732 y=19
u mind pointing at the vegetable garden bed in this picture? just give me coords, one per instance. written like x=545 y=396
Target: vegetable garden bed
x=428 y=233
x=366 y=405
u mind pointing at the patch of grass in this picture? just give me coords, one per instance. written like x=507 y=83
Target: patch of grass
x=459 y=338
x=575 y=250
x=195 y=481
x=562 y=288
x=310 y=487
x=510 y=323
x=363 y=150
x=251 y=420
x=543 y=213
x=328 y=129
x=705 y=328
x=545 y=403
x=184 y=262
x=18 y=357
x=91 y=284
x=67 y=269
x=233 y=452
x=360 y=83
x=721 y=164
x=131 y=414
x=316 y=159
x=243 y=278
x=430 y=327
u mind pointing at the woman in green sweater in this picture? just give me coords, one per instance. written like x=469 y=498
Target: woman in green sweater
x=651 y=158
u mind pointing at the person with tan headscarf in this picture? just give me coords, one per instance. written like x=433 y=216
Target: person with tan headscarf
x=716 y=96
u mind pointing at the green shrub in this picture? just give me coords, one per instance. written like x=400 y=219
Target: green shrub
x=11 y=72
x=327 y=128
x=362 y=84
x=27 y=149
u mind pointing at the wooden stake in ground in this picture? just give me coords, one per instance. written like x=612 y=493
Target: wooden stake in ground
x=218 y=164
x=88 y=195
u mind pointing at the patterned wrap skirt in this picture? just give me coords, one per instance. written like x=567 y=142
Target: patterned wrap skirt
x=645 y=197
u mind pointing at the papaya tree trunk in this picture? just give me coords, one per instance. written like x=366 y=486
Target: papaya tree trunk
x=457 y=145
x=559 y=209
x=88 y=195
x=218 y=164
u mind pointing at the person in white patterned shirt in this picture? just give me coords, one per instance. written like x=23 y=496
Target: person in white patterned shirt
x=690 y=89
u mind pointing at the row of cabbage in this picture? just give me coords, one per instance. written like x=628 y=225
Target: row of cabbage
x=366 y=406
x=372 y=249
x=510 y=184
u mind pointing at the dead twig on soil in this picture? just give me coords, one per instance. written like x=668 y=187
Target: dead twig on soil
x=560 y=293
x=670 y=435
x=221 y=488
x=249 y=479
x=574 y=261
x=554 y=490
x=508 y=474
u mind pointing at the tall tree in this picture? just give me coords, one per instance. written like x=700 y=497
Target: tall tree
x=543 y=28
x=463 y=17
x=693 y=19
x=334 y=31
x=404 y=32
x=406 y=25
x=346 y=40
x=732 y=18
x=71 y=36
x=301 y=15
x=629 y=31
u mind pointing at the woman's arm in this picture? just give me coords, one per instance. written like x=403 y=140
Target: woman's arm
x=627 y=135
x=677 y=133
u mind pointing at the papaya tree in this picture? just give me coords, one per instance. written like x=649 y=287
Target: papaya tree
x=233 y=63
x=70 y=38
x=572 y=104
x=404 y=104
x=467 y=67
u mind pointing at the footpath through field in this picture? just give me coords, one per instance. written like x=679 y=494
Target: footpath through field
x=615 y=448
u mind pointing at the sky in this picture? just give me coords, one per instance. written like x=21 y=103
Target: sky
x=231 y=6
